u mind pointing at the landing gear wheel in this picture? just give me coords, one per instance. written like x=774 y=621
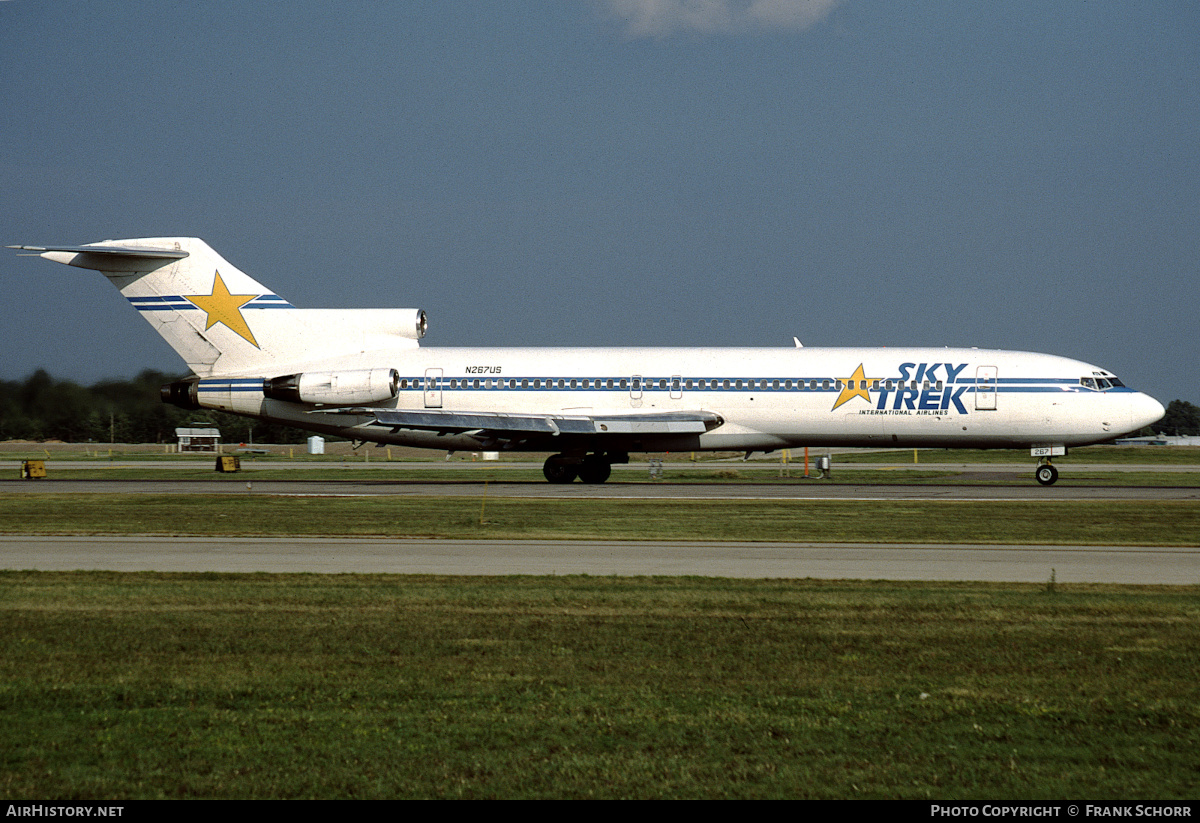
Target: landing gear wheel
x=558 y=470
x=594 y=470
x=1046 y=474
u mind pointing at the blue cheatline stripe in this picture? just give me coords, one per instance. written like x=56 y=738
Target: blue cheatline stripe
x=1055 y=381
x=1016 y=386
x=217 y=384
x=174 y=303
x=177 y=302
x=255 y=384
x=268 y=301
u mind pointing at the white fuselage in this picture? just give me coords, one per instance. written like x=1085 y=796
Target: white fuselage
x=768 y=398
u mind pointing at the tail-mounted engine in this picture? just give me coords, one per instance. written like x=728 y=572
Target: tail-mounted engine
x=345 y=388
x=246 y=395
x=181 y=393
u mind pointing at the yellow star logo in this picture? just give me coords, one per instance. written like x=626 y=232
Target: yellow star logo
x=856 y=386
x=223 y=307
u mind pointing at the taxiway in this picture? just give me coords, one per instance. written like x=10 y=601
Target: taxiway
x=862 y=561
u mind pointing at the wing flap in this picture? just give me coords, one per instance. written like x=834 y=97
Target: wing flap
x=446 y=421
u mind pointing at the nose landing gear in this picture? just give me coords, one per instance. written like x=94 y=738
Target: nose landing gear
x=1046 y=474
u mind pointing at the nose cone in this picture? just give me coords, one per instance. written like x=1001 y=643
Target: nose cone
x=1144 y=410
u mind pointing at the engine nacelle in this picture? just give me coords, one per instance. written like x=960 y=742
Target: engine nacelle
x=181 y=393
x=345 y=388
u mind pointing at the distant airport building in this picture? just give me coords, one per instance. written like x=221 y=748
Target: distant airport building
x=198 y=439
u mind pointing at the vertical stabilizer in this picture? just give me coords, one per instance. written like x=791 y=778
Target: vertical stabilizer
x=220 y=320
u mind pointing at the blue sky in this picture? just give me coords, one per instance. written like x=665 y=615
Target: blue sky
x=1019 y=175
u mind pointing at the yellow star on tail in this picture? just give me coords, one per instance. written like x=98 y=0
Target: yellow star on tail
x=223 y=307
x=856 y=386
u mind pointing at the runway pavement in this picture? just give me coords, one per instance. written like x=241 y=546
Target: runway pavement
x=243 y=484
x=791 y=560
x=864 y=561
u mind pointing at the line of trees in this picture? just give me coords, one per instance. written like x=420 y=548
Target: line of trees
x=1182 y=417
x=115 y=411
x=130 y=411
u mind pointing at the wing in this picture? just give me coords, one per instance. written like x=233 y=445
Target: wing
x=495 y=427
x=447 y=422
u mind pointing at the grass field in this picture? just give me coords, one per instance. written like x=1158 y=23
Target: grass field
x=124 y=686
x=341 y=451
x=889 y=466
x=1140 y=523
x=152 y=685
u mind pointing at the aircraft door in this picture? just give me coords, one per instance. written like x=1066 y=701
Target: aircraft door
x=985 y=388
x=676 y=387
x=635 y=387
x=433 y=388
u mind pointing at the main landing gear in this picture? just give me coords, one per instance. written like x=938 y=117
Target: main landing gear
x=1046 y=474
x=594 y=468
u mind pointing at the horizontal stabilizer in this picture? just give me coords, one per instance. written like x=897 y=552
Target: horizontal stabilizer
x=106 y=258
x=123 y=251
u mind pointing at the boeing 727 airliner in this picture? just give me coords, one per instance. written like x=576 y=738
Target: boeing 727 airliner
x=362 y=374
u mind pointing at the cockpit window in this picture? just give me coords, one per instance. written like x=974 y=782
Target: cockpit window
x=1102 y=383
x=1088 y=383
x=1115 y=382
